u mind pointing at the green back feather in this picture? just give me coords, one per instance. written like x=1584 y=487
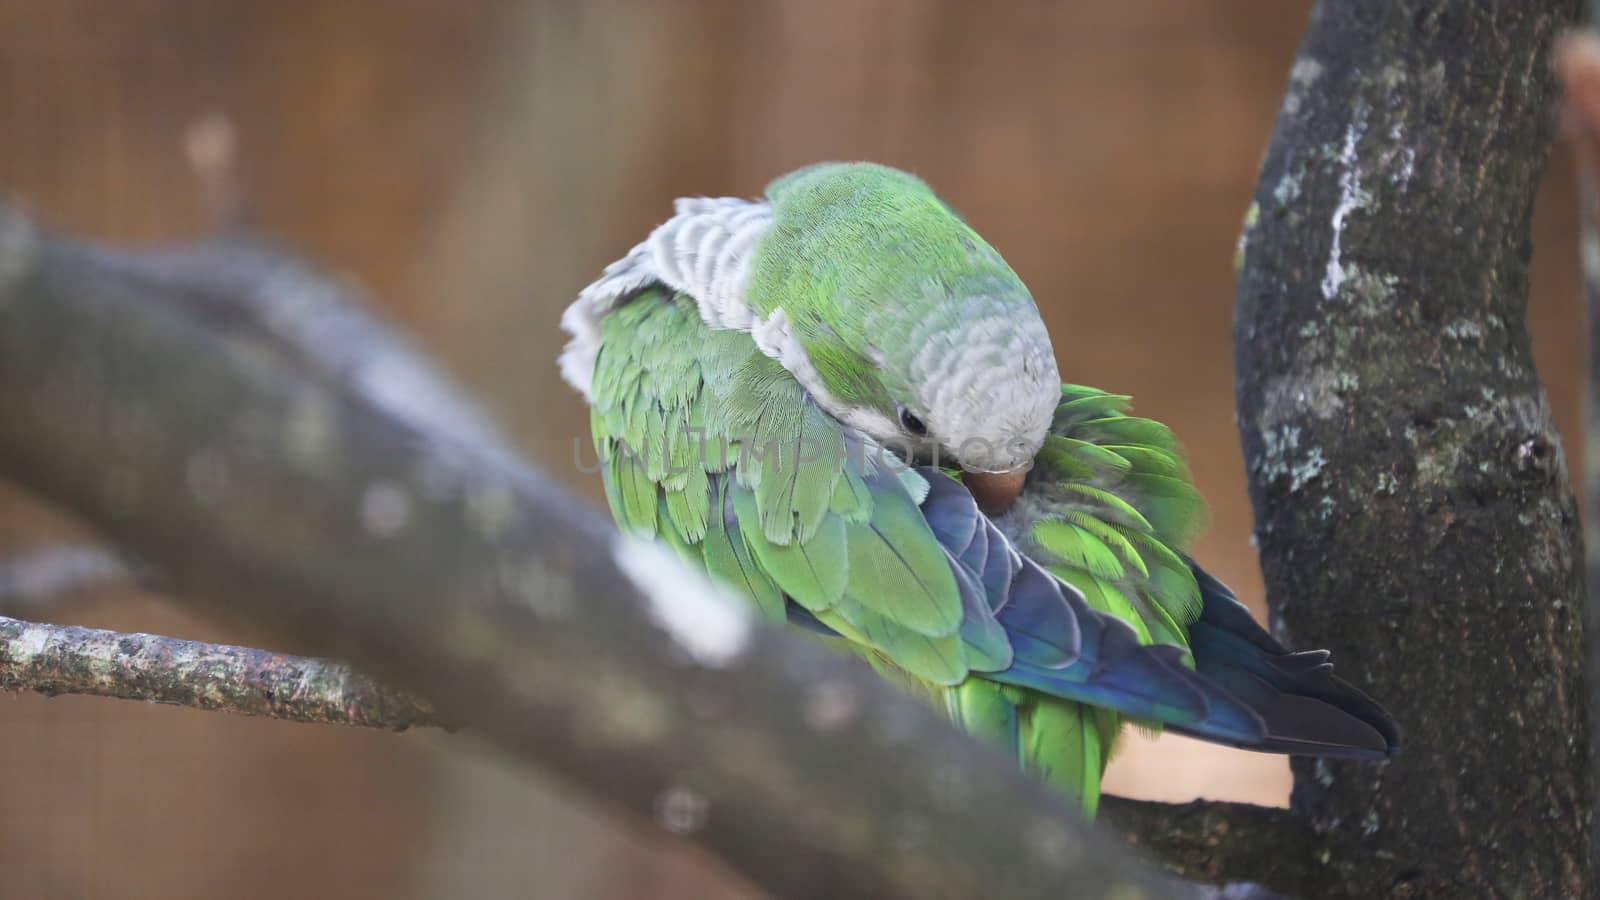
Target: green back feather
x=845 y=235
x=712 y=447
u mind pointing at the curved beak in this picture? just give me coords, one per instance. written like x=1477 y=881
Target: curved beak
x=994 y=491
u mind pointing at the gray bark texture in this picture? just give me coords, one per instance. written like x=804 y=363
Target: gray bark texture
x=158 y=397
x=65 y=659
x=1578 y=65
x=1413 y=511
x=1580 y=68
x=1234 y=844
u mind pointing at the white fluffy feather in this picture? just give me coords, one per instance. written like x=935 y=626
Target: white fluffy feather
x=704 y=251
x=989 y=390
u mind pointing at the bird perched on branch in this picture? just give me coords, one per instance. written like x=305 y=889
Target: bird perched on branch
x=842 y=403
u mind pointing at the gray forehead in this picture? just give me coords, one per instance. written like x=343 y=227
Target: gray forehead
x=992 y=365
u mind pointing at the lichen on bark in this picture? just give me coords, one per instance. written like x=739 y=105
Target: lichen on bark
x=1413 y=510
x=65 y=659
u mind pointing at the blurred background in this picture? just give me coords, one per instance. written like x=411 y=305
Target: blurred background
x=471 y=166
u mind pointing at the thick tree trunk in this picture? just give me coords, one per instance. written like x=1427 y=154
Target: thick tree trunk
x=1411 y=498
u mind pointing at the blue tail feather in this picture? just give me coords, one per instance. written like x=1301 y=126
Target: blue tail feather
x=1306 y=708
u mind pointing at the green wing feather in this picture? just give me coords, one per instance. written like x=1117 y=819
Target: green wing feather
x=897 y=566
x=751 y=479
x=1068 y=745
x=812 y=572
x=728 y=559
x=990 y=711
x=1078 y=548
x=1115 y=510
x=1144 y=512
x=938 y=660
x=768 y=500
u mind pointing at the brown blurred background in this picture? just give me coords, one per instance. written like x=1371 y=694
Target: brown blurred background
x=473 y=165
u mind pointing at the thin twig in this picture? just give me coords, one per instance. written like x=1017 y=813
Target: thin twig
x=64 y=659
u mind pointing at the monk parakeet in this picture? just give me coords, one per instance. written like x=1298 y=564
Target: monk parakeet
x=843 y=404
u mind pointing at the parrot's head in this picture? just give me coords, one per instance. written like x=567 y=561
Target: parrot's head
x=903 y=322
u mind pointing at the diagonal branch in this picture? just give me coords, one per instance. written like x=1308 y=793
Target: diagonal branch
x=1200 y=841
x=352 y=526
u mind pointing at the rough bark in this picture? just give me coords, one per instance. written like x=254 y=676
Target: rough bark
x=1200 y=841
x=1242 y=843
x=1412 y=506
x=65 y=659
x=1578 y=65
x=131 y=394
x=1580 y=68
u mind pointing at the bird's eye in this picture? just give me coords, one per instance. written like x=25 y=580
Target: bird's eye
x=911 y=423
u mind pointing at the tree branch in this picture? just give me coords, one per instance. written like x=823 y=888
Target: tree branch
x=1241 y=842
x=62 y=659
x=1201 y=841
x=1578 y=64
x=220 y=410
x=1413 y=512
x=141 y=392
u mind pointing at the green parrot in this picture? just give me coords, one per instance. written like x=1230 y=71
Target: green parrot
x=841 y=402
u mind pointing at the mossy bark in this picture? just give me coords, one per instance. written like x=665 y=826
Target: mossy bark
x=1413 y=511
x=1239 y=844
x=1588 y=154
